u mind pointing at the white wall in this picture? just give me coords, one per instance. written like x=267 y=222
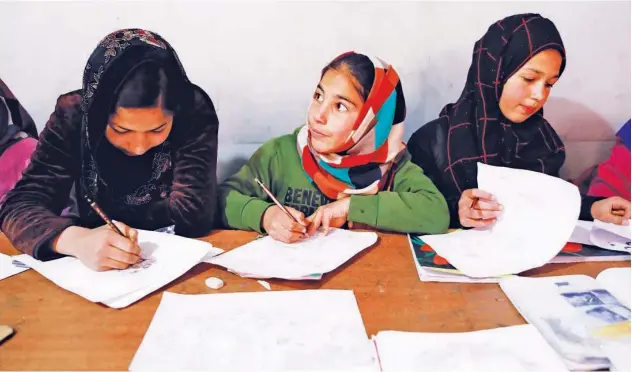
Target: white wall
x=260 y=61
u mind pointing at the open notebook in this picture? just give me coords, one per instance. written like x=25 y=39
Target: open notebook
x=586 y=320
x=166 y=258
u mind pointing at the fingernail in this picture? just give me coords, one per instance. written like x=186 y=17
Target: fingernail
x=500 y=207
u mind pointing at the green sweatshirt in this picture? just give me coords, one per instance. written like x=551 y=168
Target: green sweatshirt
x=414 y=206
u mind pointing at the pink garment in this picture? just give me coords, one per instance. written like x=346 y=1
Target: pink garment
x=613 y=174
x=13 y=161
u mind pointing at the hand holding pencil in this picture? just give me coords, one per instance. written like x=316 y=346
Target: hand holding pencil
x=111 y=246
x=282 y=223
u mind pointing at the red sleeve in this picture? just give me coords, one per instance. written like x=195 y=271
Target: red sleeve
x=613 y=174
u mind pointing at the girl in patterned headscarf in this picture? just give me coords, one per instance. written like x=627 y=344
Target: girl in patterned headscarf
x=346 y=164
x=139 y=139
x=498 y=120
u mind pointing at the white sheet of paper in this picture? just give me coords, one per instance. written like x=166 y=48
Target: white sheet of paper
x=167 y=258
x=608 y=240
x=7 y=268
x=569 y=311
x=132 y=297
x=617 y=281
x=581 y=233
x=266 y=258
x=621 y=230
x=619 y=355
x=540 y=213
x=517 y=348
x=271 y=331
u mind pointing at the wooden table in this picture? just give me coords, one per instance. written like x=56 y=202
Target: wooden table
x=56 y=329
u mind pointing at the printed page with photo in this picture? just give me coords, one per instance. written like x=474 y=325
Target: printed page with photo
x=581 y=317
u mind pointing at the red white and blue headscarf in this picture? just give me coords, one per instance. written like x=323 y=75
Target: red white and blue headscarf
x=362 y=164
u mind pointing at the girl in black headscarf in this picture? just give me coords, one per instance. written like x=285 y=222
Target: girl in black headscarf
x=498 y=120
x=139 y=139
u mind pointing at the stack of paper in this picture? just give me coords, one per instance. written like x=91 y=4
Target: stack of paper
x=262 y=331
x=166 y=258
x=308 y=259
x=582 y=249
x=433 y=268
x=8 y=267
x=518 y=348
x=429 y=274
x=540 y=213
x=579 y=316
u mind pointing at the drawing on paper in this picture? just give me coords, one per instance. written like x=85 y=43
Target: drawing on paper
x=143 y=264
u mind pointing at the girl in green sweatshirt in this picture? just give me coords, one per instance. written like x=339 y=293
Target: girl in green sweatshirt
x=347 y=164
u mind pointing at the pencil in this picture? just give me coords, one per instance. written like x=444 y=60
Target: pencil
x=618 y=212
x=107 y=219
x=277 y=202
x=104 y=217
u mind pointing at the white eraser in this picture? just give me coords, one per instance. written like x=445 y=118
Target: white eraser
x=214 y=283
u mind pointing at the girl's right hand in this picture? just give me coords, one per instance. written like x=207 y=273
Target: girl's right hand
x=283 y=228
x=100 y=249
x=478 y=208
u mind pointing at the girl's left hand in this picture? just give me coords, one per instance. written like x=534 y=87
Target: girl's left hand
x=331 y=215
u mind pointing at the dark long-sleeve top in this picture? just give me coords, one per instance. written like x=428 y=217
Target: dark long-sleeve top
x=428 y=149
x=30 y=214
